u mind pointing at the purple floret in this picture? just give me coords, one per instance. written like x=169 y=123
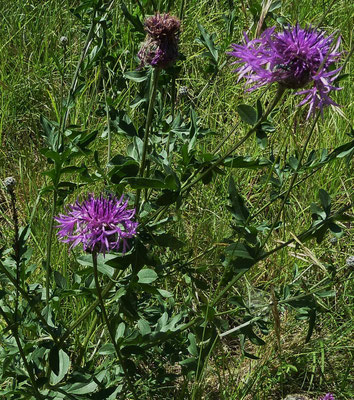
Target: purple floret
x=295 y=58
x=100 y=224
x=328 y=396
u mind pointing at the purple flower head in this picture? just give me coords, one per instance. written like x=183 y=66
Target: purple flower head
x=100 y=224
x=160 y=48
x=328 y=396
x=295 y=58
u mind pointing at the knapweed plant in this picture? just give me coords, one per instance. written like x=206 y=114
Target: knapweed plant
x=116 y=285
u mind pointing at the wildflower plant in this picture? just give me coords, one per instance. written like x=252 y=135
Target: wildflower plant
x=126 y=309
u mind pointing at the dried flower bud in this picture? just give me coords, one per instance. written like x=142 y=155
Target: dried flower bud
x=350 y=261
x=160 y=26
x=160 y=48
x=64 y=41
x=10 y=183
x=183 y=91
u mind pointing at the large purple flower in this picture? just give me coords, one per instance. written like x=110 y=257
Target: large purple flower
x=295 y=58
x=160 y=48
x=100 y=224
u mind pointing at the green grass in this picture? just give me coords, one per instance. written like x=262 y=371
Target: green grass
x=31 y=85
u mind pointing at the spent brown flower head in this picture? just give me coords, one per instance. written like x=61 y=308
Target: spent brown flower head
x=162 y=25
x=160 y=48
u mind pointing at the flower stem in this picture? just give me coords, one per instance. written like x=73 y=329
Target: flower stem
x=109 y=327
x=75 y=79
x=16 y=247
x=49 y=248
x=150 y=111
x=86 y=340
x=109 y=135
x=88 y=310
x=181 y=10
x=292 y=182
x=227 y=137
x=13 y=328
x=30 y=302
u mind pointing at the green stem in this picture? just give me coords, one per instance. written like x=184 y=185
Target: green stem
x=226 y=138
x=281 y=194
x=109 y=135
x=49 y=252
x=267 y=254
x=292 y=182
x=227 y=287
x=88 y=310
x=89 y=39
x=173 y=105
x=86 y=340
x=29 y=301
x=304 y=234
x=210 y=81
x=16 y=248
x=181 y=10
x=13 y=328
x=150 y=111
x=142 y=8
x=74 y=82
x=109 y=327
x=49 y=247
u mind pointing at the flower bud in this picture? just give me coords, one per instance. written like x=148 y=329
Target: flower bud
x=10 y=183
x=63 y=41
x=350 y=261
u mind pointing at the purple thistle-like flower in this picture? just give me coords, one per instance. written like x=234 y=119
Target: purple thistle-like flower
x=160 y=48
x=295 y=58
x=328 y=396
x=100 y=224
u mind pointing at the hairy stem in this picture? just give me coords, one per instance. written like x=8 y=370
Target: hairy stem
x=88 y=310
x=109 y=327
x=30 y=302
x=292 y=182
x=109 y=135
x=49 y=247
x=13 y=328
x=150 y=111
